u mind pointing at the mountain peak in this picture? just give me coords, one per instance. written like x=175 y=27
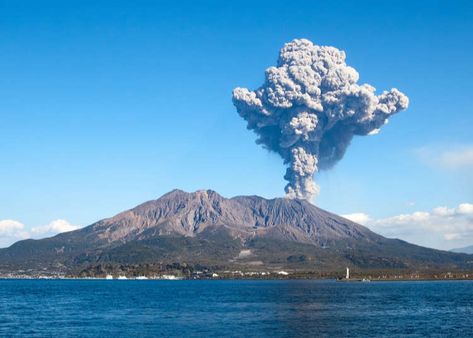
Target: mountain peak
x=207 y=193
x=198 y=193
x=188 y=214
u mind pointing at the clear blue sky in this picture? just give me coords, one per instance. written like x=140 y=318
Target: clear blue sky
x=107 y=104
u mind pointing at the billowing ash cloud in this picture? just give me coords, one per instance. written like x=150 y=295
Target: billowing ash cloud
x=310 y=107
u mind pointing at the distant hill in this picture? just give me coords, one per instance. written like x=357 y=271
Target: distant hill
x=467 y=250
x=244 y=232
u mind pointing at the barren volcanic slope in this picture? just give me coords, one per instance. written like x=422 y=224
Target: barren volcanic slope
x=246 y=231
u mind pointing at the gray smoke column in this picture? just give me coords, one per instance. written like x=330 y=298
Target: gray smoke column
x=310 y=107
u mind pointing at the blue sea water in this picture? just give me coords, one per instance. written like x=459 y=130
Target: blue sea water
x=235 y=308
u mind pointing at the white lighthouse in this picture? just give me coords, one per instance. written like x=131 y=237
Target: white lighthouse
x=348 y=273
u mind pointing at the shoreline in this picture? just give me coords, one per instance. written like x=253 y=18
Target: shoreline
x=240 y=279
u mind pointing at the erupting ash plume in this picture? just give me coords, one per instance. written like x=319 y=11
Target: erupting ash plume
x=310 y=107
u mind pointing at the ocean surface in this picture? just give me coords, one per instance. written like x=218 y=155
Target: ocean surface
x=106 y=308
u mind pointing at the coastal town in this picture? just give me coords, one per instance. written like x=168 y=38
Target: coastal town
x=183 y=272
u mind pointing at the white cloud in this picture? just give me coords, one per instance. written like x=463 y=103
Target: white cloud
x=12 y=231
x=450 y=158
x=452 y=236
x=465 y=209
x=458 y=158
x=54 y=227
x=442 y=227
x=9 y=226
x=358 y=217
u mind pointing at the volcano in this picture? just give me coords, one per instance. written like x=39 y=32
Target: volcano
x=245 y=232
